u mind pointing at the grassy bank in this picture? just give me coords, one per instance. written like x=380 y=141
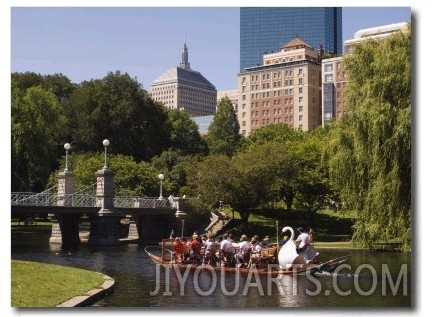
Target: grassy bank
x=46 y=285
x=327 y=225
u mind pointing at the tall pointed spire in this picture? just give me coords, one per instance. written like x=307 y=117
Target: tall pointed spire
x=184 y=63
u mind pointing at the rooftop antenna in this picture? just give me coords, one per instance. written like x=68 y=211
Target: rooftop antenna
x=184 y=62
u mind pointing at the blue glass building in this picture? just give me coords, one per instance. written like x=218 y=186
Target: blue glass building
x=266 y=29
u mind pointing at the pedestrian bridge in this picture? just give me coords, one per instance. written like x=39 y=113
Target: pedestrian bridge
x=150 y=218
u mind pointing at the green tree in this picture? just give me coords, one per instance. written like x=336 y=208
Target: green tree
x=185 y=135
x=370 y=149
x=174 y=165
x=117 y=108
x=299 y=176
x=37 y=124
x=312 y=188
x=223 y=135
x=58 y=84
x=131 y=178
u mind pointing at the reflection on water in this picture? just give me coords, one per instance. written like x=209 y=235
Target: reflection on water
x=369 y=279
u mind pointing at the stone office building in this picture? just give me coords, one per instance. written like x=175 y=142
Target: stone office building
x=286 y=89
x=183 y=88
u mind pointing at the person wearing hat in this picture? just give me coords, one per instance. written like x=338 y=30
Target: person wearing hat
x=302 y=241
x=266 y=242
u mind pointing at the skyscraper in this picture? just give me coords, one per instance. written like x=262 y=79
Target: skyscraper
x=183 y=88
x=267 y=29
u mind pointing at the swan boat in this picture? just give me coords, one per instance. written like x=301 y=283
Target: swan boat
x=271 y=260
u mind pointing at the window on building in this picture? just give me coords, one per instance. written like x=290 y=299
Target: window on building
x=301 y=99
x=301 y=117
x=301 y=81
x=329 y=78
x=301 y=108
x=300 y=71
x=301 y=90
x=329 y=67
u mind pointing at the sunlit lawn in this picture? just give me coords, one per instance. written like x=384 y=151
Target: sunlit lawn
x=45 y=285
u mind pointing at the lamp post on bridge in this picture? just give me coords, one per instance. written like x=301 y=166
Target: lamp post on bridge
x=67 y=146
x=105 y=143
x=161 y=178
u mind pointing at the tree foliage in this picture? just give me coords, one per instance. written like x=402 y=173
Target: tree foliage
x=223 y=135
x=184 y=134
x=370 y=149
x=60 y=85
x=37 y=124
x=117 y=108
x=131 y=178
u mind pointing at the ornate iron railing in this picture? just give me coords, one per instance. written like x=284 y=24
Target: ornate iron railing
x=85 y=200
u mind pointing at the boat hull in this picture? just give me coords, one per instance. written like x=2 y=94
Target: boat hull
x=271 y=269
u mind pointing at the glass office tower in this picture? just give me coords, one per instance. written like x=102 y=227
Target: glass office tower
x=266 y=29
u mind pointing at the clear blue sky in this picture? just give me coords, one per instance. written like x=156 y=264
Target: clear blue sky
x=86 y=43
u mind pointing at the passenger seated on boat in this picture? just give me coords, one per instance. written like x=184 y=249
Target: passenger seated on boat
x=266 y=242
x=178 y=250
x=243 y=254
x=185 y=255
x=255 y=252
x=211 y=246
x=194 y=250
x=227 y=250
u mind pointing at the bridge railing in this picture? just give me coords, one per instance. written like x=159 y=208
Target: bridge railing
x=32 y=199
x=77 y=200
x=85 y=200
x=141 y=202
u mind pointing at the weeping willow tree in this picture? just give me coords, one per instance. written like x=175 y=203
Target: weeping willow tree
x=370 y=149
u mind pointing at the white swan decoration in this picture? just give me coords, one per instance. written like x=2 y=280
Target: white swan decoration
x=287 y=256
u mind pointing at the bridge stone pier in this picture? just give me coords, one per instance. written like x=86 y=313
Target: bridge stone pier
x=104 y=226
x=65 y=227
